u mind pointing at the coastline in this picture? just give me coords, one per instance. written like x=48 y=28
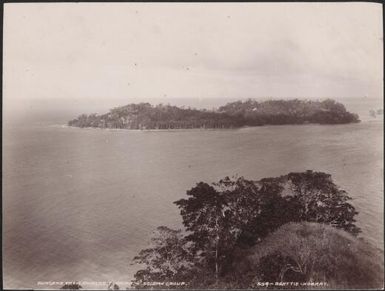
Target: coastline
x=211 y=129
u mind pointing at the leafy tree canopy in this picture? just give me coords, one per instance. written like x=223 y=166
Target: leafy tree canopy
x=232 y=214
x=167 y=260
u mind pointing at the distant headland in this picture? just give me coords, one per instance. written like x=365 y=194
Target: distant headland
x=232 y=115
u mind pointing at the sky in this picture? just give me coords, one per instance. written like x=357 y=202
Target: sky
x=98 y=52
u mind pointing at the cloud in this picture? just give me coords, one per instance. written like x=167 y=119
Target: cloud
x=110 y=50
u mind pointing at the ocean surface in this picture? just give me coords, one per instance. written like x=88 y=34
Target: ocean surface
x=79 y=204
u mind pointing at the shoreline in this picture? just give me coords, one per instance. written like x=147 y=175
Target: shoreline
x=212 y=129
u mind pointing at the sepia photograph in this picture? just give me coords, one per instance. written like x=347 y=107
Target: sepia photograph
x=193 y=145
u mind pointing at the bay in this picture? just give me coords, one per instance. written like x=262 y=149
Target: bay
x=79 y=204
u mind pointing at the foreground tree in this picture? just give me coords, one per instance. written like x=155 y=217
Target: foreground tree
x=167 y=260
x=232 y=215
x=204 y=215
x=319 y=199
x=215 y=217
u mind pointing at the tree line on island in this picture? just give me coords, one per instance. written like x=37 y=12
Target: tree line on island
x=240 y=233
x=232 y=115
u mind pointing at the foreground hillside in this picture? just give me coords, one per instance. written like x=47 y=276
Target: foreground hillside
x=232 y=115
x=303 y=255
x=296 y=231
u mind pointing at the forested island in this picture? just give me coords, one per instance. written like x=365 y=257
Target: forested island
x=297 y=231
x=232 y=115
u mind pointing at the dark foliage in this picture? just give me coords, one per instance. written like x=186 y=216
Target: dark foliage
x=167 y=260
x=316 y=198
x=71 y=286
x=225 y=219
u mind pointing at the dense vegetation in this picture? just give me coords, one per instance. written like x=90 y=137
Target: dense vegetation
x=71 y=286
x=312 y=252
x=298 y=227
x=232 y=115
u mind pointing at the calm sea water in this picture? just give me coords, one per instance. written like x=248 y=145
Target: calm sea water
x=78 y=204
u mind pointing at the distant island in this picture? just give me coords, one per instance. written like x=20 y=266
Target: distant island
x=375 y=113
x=232 y=115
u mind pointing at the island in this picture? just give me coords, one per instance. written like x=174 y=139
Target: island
x=232 y=115
x=374 y=113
